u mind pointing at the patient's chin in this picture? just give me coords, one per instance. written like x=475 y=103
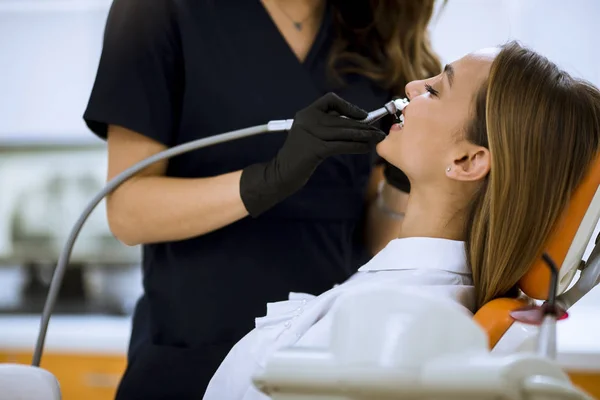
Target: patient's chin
x=387 y=150
x=381 y=148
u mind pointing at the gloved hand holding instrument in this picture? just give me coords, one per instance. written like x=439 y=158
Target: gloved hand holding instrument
x=327 y=127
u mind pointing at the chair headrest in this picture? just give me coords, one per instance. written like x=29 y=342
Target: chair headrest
x=569 y=239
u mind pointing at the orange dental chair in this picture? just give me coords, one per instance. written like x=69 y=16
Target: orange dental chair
x=566 y=247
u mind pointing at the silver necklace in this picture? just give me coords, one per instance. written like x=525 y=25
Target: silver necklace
x=297 y=24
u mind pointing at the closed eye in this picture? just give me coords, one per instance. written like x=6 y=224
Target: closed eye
x=431 y=90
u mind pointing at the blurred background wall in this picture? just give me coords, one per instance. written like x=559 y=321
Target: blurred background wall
x=50 y=48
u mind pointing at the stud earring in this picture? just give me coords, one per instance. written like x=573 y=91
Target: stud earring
x=448 y=169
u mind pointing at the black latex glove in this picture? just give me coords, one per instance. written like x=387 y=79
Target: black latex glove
x=318 y=132
x=396 y=178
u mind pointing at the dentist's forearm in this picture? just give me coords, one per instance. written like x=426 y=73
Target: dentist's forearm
x=153 y=209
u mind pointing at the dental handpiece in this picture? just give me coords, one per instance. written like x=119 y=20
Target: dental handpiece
x=393 y=107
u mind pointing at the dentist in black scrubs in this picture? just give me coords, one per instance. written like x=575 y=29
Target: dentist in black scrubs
x=226 y=229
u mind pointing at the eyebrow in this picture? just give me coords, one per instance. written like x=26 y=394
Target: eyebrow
x=449 y=70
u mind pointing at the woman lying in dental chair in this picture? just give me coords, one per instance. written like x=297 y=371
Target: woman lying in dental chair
x=493 y=148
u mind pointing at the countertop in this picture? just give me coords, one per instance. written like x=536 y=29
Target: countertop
x=67 y=334
x=578 y=336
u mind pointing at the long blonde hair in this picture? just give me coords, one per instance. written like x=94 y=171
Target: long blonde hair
x=542 y=128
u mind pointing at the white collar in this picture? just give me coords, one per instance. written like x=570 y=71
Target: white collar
x=420 y=253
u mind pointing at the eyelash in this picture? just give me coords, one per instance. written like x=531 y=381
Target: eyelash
x=431 y=90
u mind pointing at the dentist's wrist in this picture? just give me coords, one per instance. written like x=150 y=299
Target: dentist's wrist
x=389 y=200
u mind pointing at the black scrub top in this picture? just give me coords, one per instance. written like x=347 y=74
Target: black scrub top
x=179 y=70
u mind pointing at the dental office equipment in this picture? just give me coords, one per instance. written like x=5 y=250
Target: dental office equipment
x=550 y=313
x=423 y=349
x=545 y=315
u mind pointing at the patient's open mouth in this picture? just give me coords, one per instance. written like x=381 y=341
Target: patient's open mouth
x=399 y=120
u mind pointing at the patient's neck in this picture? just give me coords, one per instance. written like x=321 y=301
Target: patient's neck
x=430 y=213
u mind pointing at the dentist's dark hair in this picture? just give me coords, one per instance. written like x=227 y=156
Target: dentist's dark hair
x=542 y=128
x=384 y=40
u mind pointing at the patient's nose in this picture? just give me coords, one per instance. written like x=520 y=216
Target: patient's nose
x=412 y=89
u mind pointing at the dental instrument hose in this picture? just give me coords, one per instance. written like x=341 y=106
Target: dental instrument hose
x=393 y=107
x=65 y=255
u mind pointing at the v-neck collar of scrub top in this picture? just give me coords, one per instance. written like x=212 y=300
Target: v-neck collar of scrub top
x=318 y=41
x=420 y=253
x=275 y=54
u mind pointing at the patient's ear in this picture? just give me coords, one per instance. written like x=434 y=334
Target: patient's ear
x=472 y=165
